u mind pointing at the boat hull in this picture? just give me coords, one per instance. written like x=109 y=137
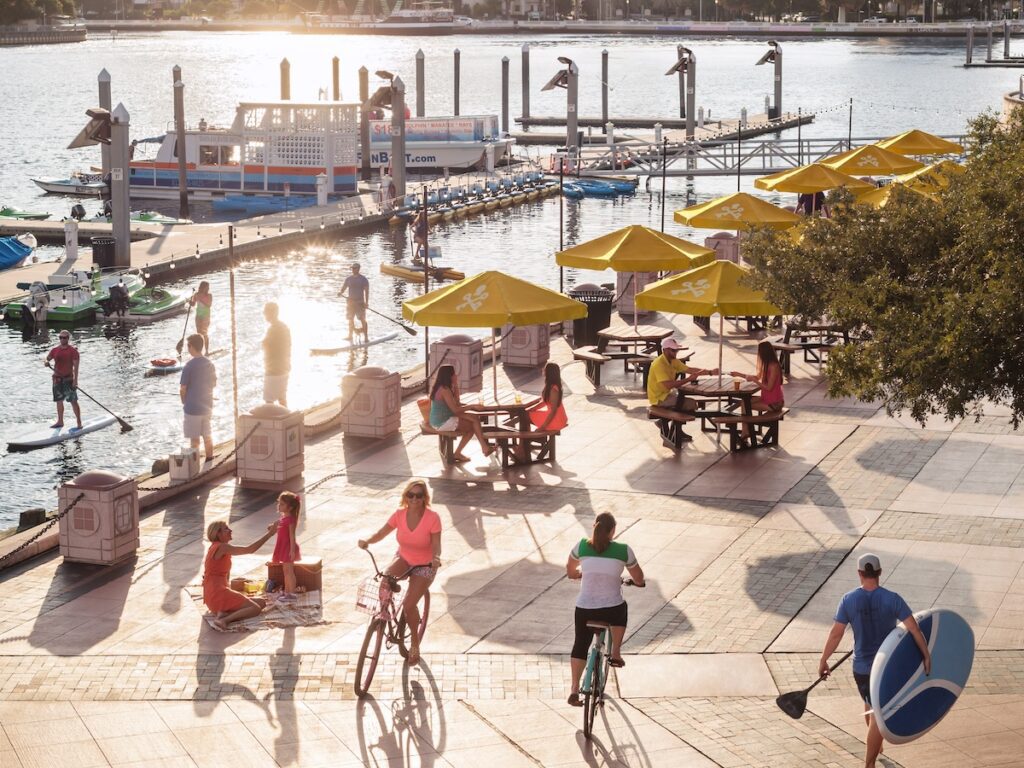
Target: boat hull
x=71 y=187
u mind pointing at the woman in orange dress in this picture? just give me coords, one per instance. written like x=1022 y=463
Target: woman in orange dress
x=228 y=604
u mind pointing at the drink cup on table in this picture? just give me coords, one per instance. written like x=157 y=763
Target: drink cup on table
x=736 y=383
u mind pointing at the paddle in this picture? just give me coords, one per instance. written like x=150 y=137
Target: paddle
x=795 y=702
x=403 y=326
x=125 y=426
x=181 y=341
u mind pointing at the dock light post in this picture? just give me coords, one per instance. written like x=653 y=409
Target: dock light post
x=458 y=75
x=568 y=78
x=687 y=64
x=774 y=55
x=104 y=85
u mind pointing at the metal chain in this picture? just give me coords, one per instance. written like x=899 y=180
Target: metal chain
x=53 y=521
x=220 y=463
x=339 y=414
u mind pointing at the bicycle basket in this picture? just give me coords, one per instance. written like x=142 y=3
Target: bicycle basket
x=370 y=595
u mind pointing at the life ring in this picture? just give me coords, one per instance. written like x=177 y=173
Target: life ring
x=164 y=362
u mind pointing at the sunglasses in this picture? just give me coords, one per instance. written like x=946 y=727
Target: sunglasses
x=415 y=495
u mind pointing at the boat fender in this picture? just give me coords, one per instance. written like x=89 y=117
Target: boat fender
x=164 y=362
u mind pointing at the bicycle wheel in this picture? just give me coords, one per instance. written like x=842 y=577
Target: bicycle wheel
x=593 y=693
x=368 y=656
x=402 y=633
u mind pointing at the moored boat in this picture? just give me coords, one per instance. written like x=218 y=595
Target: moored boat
x=149 y=304
x=81 y=184
x=14 y=250
x=9 y=212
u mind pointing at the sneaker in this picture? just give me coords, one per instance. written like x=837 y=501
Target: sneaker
x=287 y=597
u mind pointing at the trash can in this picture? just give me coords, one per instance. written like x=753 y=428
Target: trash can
x=103 y=251
x=599 y=313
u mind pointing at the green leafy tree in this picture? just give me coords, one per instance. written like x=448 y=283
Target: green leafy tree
x=13 y=11
x=933 y=286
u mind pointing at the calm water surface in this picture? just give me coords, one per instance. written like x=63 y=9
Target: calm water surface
x=895 y=85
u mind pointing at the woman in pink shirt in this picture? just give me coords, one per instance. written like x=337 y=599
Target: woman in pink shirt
x=418 y=530
x=769 y=376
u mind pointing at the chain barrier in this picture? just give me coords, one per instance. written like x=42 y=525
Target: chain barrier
x=327 y=422
x=52 y=522
x=220 y=463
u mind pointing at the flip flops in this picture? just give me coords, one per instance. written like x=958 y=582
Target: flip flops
x=616 y=663
x=574 y=700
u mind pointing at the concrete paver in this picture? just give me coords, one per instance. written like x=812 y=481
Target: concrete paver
x=746 y=555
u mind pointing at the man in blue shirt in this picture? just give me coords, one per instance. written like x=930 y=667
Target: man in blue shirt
x=357 y=289
x=874 y=612
x=198 y=378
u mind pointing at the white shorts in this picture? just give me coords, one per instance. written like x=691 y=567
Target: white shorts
x=449 y=426
x=196 y=426
x=275 y=388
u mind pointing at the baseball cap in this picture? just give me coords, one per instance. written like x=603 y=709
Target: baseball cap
x=670 y=344
x=869 y=564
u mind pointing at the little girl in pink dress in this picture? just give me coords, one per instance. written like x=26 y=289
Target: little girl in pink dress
x=286 y=547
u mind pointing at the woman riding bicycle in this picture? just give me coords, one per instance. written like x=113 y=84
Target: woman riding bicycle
x=418 y=529
x=599 y=562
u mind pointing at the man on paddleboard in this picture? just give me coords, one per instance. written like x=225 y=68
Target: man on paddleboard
x=874 y=612
x=358 y=288
x=198 y=378
x=65 y=378
x=277 y=357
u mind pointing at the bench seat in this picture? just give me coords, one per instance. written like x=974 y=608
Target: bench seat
x=670 y=425
x=593 y=360
x=539 y=445
x=445 y=442
x=764 y=430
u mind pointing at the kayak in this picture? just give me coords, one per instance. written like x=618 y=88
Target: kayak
x=354 y=344
x=414 y=272
x=43 y=436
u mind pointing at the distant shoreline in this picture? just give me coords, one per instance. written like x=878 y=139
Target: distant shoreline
x=536 y=28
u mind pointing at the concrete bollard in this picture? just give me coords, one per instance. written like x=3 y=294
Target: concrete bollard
x=286 y=80
x=275 y=449
x=609 y=128
x=421 y=84
x=700 y=118
x=504 y=94
x=104 y=88
x=372 y=399
x=103 y=526
x=70 y=239
x=526 y=81
x=456 y=84
x=657 y=133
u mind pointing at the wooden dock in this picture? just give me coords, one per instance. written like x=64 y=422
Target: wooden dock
x=52 y=232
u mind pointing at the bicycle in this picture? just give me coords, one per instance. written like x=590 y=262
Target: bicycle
x=377 y=597
x=595 y=676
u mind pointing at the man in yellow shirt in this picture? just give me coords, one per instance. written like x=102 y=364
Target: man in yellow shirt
x=661 y=381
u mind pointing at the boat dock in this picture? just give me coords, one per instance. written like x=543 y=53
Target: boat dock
x=52 y=232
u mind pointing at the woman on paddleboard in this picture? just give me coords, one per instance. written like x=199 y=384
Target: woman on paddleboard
x=202 y=300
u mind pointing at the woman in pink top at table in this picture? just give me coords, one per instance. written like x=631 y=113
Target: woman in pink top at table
x=769 y=377
x=418 y=529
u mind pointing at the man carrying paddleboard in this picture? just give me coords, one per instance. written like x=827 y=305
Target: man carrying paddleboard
x=874 y=612
x=358 y=288
x=65 y=378
x=198 y=378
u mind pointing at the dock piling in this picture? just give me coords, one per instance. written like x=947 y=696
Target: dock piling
x=1006 y=39
x=682 y=84
x=421 y=84
x=364 y=123
x=526 y=80
x=458 y=75
x=398 y=136
x=286 y=80
x=988 y=49
x=691 y=92
x=970 y=45
x=120 y=204
x=179 y=132
x=604 y=86
x=104 y=87
x=504 y=94
x=571 y=107
x=336 y=78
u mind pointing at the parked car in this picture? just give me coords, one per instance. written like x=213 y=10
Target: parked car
x=876 y=20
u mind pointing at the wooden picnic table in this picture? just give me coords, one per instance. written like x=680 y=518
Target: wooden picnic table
x=514 y=405
x=518 y=441
x=724 y=388
x=630 y=339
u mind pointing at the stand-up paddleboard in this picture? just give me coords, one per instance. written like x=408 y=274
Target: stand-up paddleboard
x=43 y=436
x=906 y=702
x=354 y=344
x=160 y=366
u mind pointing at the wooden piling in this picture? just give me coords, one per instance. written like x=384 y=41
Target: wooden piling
x=504 y=94
x=421 y=83
x=179 y=132
x=456 y=81
x=286 y=80
x=336 y=78
x=526 y=80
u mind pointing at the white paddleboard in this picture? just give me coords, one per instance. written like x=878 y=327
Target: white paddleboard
x=42 y=436
x=354 y=344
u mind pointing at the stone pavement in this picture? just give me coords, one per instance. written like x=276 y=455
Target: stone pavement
x=746 y=557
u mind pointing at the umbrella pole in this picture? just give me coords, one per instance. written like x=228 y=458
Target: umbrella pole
x=636 y=311
x=721 y=324
x=494 y=365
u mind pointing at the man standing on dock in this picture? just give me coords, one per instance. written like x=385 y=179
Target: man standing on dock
x=65 y=378
x=358 y=288
x=198 y=378
x=277 y=357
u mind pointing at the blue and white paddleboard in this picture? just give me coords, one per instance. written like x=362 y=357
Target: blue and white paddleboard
x=42 y=436
x=354 y=344
x=907 y=703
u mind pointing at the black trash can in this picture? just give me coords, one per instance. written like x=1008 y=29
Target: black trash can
x=599 y=313
x=103 y=251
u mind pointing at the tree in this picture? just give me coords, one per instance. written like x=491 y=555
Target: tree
x=13 y=11
x=934 y=287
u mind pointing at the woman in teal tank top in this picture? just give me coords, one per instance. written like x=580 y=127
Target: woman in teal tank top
x=447 y=414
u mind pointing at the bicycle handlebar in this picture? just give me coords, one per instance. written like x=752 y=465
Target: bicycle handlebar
x=631 y=583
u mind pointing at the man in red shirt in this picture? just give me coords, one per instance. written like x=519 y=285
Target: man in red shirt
x=65 y=378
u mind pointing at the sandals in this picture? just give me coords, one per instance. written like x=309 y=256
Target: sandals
x=617 y=663
x=574 y=700
x=458 y=458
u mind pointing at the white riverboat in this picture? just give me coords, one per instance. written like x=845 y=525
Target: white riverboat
x=282 y=146
x=430 y=17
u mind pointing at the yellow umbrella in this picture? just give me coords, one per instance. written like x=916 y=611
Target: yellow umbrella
x=635 y=249
x=937 y=175
x=491 y=300
x=881 y=197
x=809 y=179
x=871 y=160
x=706 y=290
x=736 y=211
x=917 y=142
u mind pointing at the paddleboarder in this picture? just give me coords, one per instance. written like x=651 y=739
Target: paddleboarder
x=198 y=378
x=358 y=294
x=65 y=378
x=873 y=611
x=277 y=357
x=202 y=300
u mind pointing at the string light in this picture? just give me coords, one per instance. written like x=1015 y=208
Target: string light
x=302 y=226
x=172 y=262
x=197 y=250
x=279 y=228
x=64 y=297
x=322 y=225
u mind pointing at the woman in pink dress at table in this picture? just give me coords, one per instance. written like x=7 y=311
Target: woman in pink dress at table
x=418 y=530
x=286 y=547
x=549 y=414
x=769 y=377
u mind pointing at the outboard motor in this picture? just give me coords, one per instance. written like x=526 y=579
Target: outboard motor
x=117 y=304
x=35 y=308
x=108 y=208
x=78 y=212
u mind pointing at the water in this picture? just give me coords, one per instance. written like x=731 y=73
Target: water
x=47 y=89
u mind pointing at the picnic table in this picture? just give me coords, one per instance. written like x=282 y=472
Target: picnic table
x=638 y=339
x=518 y=442
x=737 y=394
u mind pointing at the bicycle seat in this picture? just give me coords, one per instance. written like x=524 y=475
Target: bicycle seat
x=599 y=625
x=393 y=584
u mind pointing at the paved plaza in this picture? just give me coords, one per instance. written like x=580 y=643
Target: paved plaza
x=746 y=557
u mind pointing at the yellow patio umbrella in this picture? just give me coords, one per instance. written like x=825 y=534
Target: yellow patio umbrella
x=703 y=291
x=491 y=300
x=917 y=142
x=936 y=176
x=736 y=211
x=809 y=179
x=882 y=196
x=871 y=160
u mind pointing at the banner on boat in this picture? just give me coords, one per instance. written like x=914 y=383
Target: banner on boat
x=423 y=129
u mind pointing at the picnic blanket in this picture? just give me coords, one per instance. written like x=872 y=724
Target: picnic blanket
x=305 y=611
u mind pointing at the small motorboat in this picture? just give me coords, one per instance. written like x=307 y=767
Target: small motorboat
x=148 y=217
x=82 y=184
x=414 y=272
x=146 y=305
x=9 y=212
x=573 y=191
x=14 y=250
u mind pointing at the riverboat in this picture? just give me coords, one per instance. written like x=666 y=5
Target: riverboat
x=281 y=147
x=429 y=17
